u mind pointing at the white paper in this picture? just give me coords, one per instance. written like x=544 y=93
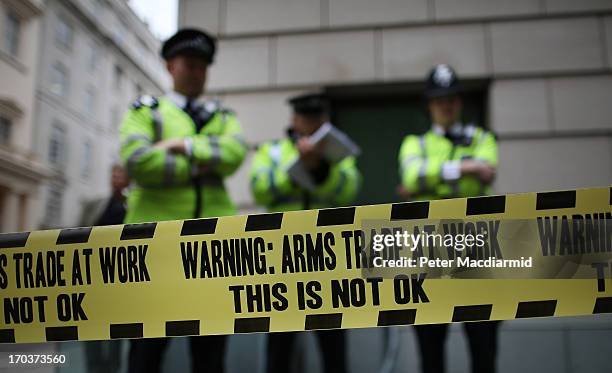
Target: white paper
x=298 y=173
x=336 y=146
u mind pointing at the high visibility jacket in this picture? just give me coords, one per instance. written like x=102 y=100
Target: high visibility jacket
x=422 y=160
x=273 y=188
x=166 y=187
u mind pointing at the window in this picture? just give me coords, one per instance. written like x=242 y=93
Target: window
x=59 y=80
x=5 y=130
x=64 y=33
x=53 y=208
x=57 y=144
x=98 y=8
x=140 y=51
x=90 y=101
x=86 y=160
x=121 y=30
x=114 y=119
x=92 y=58
x=11 y=33
x=118 y=76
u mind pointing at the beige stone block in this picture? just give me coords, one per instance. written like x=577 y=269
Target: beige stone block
x=411 y=52
x=582 y=103
x=546 y=45
x=264 y=115
x=327 y=57
x=241 y=63
x=463 y=9
x=200 y=13
x=272 y=15
x=520 y=106
x=553 y=164
x=360 y=12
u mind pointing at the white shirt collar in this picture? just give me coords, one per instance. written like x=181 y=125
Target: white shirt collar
x=454 y=129
x=178 y=99
x=181 y=100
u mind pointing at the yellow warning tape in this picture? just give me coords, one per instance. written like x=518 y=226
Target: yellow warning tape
x=288 y=271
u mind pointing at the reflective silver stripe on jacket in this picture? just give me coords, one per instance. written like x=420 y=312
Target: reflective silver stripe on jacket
x=135 y=137
x=157 y=123
x=406 y=162
x=215 y=157
x=275 y=155
x=169 y=169
x=135 y=157
x=423 y=169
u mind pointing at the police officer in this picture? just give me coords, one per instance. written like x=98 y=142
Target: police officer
x=273 y=188
x=452 y=159
x=178 y=150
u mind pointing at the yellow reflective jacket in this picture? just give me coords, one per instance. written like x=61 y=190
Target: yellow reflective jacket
x=165 y=184
x=422 y=158
x=273 y=188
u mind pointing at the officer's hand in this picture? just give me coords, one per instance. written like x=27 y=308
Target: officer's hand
x=469 y=167
x=486 y=173
x=403 y=192
x=482 y=170
x=176 y=146
x=309 y=153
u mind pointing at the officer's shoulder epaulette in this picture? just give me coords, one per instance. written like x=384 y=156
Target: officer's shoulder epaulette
x=145 y=100
x=484 y=130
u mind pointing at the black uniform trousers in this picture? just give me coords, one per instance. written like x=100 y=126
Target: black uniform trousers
x=331 y=344
x=482 y=340
x=207 y=354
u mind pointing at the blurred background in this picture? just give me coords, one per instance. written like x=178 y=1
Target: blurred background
x=537 y=72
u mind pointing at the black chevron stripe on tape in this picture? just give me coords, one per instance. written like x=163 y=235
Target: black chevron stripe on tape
x=323 y=321
x=540 y=308
x=472 y=313
x=603 y=305
x=556 y=200
x=13 y=239
x=61 y=333
x=486 y=205
x=133 y=330
x=252 y=325
x=199 y=226
x=410 y=210
x=138 y=231
x=7 y=335
x=337 y=216
x=264 y=222
x=184 y=327
x=73 y=235
x=396 y=317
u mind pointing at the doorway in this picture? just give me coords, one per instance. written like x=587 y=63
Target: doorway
x=378 y=118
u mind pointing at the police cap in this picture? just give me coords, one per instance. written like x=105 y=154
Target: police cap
x=190 y=42
x=313 y=103
x=442 y=81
